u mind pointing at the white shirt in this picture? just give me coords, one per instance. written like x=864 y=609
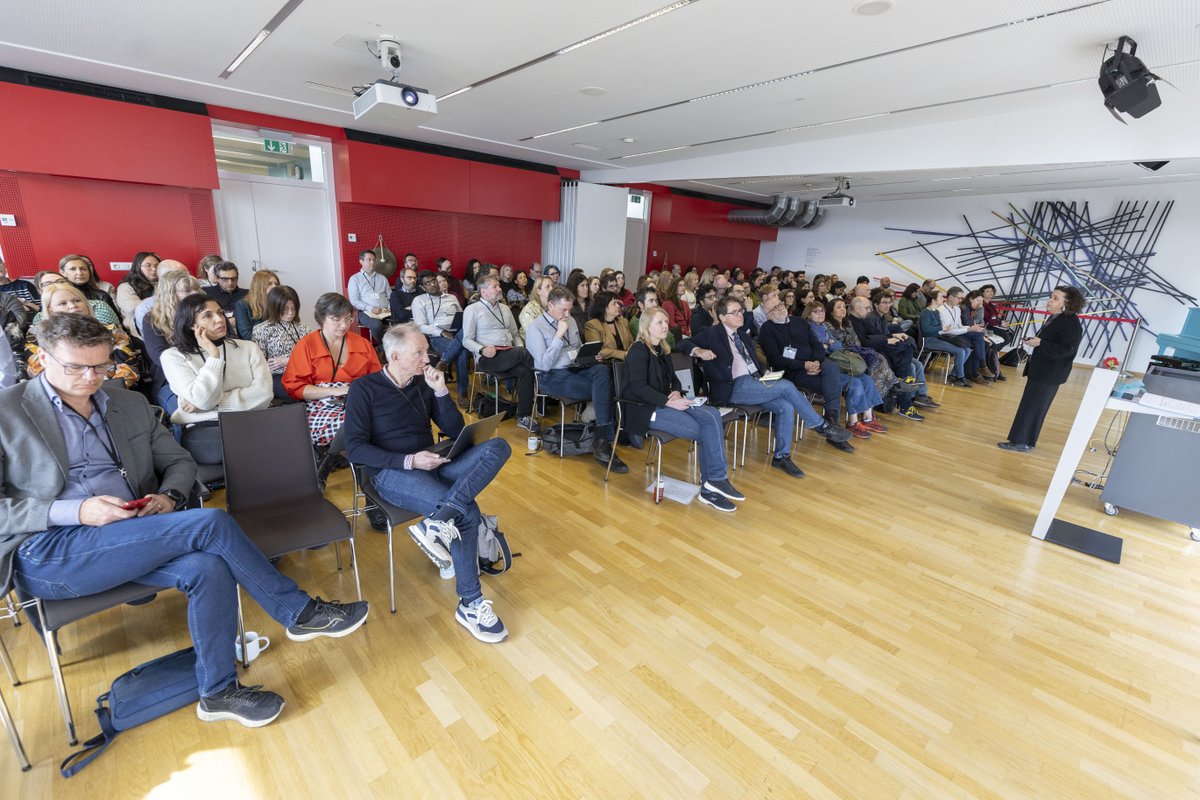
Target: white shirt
x=366 y=292
x=238 y=380
x=434 y=314
x=951 y=319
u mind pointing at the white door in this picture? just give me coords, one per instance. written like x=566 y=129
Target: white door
x=280 y=224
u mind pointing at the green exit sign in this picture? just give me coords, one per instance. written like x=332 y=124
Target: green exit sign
x=272 y=146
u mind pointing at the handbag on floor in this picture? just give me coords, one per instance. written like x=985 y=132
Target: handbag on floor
x=146 y=692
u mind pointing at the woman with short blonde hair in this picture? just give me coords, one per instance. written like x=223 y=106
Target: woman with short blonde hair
x=65 y=298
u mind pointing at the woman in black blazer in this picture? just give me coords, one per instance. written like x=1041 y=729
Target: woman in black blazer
x=1054 y=350
x=653 y=400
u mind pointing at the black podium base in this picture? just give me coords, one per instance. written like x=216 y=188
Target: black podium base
x=1085 y=540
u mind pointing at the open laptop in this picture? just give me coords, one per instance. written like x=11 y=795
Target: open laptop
x=472 y=434
x=456 y=323
x=586 y=357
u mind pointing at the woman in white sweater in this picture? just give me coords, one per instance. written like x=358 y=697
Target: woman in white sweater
x=209 y=372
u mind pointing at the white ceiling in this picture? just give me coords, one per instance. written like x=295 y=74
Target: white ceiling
x=922 y=63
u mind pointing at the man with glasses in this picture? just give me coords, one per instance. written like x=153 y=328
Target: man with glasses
x=491 y=334
x=110 y=514
x=434 y=313
x=406 y=291
x=226 y=292
x=735 y=376
x=367 y=291
x=790 y=345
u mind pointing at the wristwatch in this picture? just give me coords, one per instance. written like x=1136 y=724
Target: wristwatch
x=176 y=496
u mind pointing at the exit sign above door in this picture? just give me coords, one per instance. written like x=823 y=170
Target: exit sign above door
x=273 y=146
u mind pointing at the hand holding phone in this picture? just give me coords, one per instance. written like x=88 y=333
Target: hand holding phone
x=140 y=503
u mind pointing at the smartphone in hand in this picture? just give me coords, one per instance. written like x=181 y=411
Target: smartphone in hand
x=140 y=503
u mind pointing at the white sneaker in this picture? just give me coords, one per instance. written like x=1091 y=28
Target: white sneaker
x=446 y=573
x=481 y=621
x=434 y=537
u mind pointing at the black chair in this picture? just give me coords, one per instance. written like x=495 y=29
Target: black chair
x=738 y=414
x=660 y=438
x=365 y=492
x=271 y=487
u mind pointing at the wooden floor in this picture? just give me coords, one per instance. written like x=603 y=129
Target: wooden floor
x=883 y=628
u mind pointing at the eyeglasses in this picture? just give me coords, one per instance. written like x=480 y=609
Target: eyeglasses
x=736 y=311
x=106 y=370
x=346 y=320
x=232 y=279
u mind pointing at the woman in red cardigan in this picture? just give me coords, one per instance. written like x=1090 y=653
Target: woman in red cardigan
x=670 y=296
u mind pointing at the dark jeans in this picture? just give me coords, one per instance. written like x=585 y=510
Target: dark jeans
x=515 y=363
x=900 y=357
x=280 y=393
x=701 y=424
x=202 y=553
x=1035 y=403
x=829 y=382
x=594 y=383
x=456 y=485
x=375 y=326
x=783 y=400
x=452 y=352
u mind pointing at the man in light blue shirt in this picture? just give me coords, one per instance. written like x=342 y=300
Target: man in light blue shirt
x=368 y=293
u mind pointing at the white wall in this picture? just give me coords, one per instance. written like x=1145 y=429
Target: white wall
x=847 y=241
x=591 y=232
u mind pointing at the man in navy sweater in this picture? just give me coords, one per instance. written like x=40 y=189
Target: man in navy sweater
x=388 y=415
x=790 y=345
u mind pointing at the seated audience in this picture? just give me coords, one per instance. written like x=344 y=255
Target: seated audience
x=626 y=297
x=553 y=272
x=508 y=285
x=252 y=309
x=912 y=303
x=670 y=291
x=519 y=293
x=704 y=313
x=471 y=277
x=656 y=402
x=136 y=286
x=553 y=341
x=278 y=334
x=158 y=330
x=19 y=288
x=760 y=313
x=367 y=291
x=935 y=339
x=405 y=292
x=434 y=312
x=79 y=272
x=210 y=372
x=734 y=376
x=143 y=308
x=608 y=327
x=66 y=533
x=581 y=292
x=993 y=317
x=226 y=291
x=64 y=298
x=972 y=335
x=206 y=270
x=537 y=301
x=491 y=334
x=645 y=299
x=873 y=331
x=390 y=438
x=975 y=315
x=862 y=395
x=323 y=365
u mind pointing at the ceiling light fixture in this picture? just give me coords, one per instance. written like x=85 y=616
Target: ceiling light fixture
x=564 y=130
x=266 y=31
x=455 y=93
x=652 y=152
x=873 y=8
x=624 y=27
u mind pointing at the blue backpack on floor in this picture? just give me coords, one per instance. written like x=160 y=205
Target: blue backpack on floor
x=144 y=693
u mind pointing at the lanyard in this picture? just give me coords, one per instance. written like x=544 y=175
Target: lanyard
x=499 y=316
x=341 y=349
x=292 y=331
x=105 y=442
x=424 y=410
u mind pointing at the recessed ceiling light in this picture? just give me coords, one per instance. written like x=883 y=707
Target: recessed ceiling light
x=585 y=146
x=593 y=91
x=873 y=7
x=628 y=140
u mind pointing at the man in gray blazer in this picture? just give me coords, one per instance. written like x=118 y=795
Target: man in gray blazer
x=91 y=487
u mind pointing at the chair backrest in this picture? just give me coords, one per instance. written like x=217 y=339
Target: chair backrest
x=268 y=457
x=682 y=364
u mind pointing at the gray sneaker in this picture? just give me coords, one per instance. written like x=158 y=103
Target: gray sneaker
x=251 y=706
x=528 y=424
x=328 y=618
x=434 y=536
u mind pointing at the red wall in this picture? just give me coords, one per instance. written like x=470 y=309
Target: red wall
x=694 y=231
x=690 y=250
x=430 y=234
x=104 y=220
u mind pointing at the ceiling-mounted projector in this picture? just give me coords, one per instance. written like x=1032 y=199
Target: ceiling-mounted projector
x=836 y=198
x=389 y=100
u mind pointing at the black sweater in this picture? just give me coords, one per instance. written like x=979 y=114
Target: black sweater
x=384 y=424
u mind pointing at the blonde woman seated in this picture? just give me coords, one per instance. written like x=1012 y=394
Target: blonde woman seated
x=537 y=302
x=653 y=401
x=608 y=327
x=252 y=309
x=63 y=298
x=208 y=371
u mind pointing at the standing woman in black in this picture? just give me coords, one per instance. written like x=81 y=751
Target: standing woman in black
x=1054 y=349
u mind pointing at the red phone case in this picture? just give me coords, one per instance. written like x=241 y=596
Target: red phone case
x=141 y=502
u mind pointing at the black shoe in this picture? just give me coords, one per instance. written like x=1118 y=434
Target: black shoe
x=786 y=464
x=1016 y=448
x=912 y=413
x=725 y=489
x=1000 y=377
x=602 y=450
x=834 y=433
x=141 y=601
x=252 y=706
x=328 y=618
x=845 y=447
x=377 y=518
x=716 y=500
x=925 y=401
x=963 y=382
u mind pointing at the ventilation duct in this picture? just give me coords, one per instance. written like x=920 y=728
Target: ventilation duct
x=790 y=212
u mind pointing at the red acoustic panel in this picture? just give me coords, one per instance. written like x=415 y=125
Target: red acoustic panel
x=701 y=251
x=389 y=176
x=509 y=192
x=58 y=133
x=681 y=214
x=16 y=244
x=110 y=221
x=431 y=234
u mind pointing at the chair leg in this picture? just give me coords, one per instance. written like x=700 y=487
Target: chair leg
x=18 y=748
x=8 y=664
x=612 y=452
x=657 y=472
x=60 y=685
x=562 y=431
x=354 y=565
x=391 y=568
x=337 y=555
x=242 y=631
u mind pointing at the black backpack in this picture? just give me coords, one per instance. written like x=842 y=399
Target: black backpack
x=572 y=439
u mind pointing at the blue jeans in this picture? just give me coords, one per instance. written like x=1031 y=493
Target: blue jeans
x=456 y=485
x=861 y=393
x=701 y=424
x=782 y=399
x=452 y=352
x=201 y=552
x=961 y=354
x=593 y=382
x=978 y=346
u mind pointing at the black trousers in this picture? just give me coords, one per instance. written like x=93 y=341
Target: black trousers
x=1035 y=402
x=828 y=382
x=377 y=327
x=517 y=364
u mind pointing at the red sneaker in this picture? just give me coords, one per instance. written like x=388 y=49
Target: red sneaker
x=873 y=426
x=860 y=430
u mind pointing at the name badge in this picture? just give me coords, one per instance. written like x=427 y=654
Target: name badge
x=572 y=353
x=789 y=352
